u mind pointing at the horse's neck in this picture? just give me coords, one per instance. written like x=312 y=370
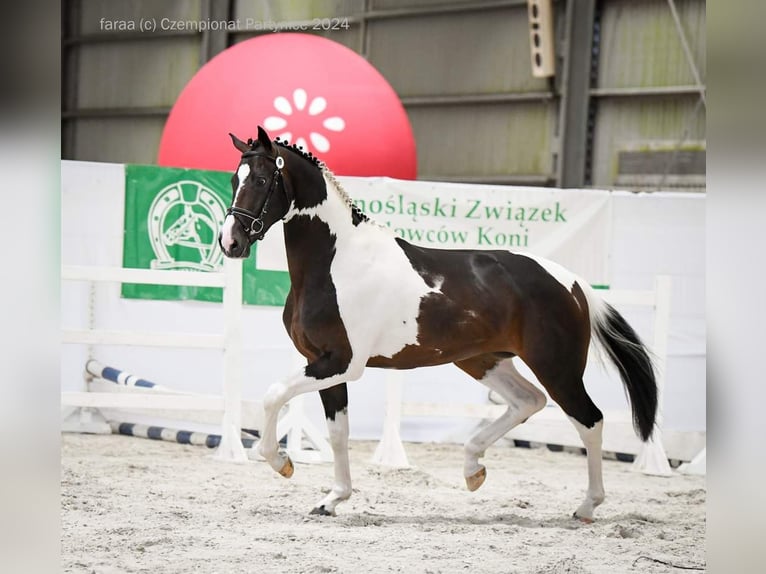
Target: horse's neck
x=313 y=233
x=327 y=205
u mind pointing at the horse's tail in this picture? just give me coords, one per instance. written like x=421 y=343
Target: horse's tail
x=630 y=356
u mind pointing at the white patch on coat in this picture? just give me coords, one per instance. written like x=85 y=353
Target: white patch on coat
x=559 y=273
x=378 y=291
x=597 y=307
x=227 y=231
x=568 y=279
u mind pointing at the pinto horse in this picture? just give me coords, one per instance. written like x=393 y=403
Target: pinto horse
x=363 y=297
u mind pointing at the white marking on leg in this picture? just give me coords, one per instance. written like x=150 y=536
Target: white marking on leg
x=277 y=396
x=341 y=489
x=591 y=438
x=227 y=235
x=523 y=400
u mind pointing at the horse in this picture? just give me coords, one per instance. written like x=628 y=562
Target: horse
x=362 y=297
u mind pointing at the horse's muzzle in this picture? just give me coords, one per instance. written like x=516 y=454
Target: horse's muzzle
x=236 y=250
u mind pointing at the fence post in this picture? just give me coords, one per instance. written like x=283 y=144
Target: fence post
x=231 y=448
x=652 y=458
x=390 y=450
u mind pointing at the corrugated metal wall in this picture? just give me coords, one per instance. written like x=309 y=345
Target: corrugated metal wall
x=645 y=96
x=462 y=70
x=468 y=82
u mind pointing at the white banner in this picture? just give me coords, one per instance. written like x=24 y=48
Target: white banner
x=567 y=226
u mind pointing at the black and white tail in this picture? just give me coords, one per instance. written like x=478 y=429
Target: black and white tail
x=630 y=356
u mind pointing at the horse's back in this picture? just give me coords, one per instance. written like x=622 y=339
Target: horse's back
x=485 y=271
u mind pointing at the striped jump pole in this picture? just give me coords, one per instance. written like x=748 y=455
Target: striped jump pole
x=292 y=424
x=180 y=436
x=124 y=378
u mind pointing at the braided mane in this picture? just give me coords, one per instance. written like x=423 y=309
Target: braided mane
x=357 y=214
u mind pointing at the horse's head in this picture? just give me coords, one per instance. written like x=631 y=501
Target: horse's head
x=260 y=197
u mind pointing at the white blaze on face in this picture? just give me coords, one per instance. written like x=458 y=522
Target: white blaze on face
x=227 y=236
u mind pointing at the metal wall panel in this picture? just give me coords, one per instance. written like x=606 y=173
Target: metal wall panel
x=640 y=46
x=489 y=141
x=349 y=38
x=648 y=123
x=641 y=51
x=279 y=12
x=459 y=66
x=389 y=4
x=124 y=140
x=293 y=10
x=92 y=11
x=484 y=52
x=135 y=74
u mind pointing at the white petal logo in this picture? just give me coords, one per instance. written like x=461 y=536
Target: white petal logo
x=298 y=119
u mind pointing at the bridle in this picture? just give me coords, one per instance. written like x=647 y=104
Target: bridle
x=256 y=220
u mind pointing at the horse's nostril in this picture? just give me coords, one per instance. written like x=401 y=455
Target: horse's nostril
x=233 y=246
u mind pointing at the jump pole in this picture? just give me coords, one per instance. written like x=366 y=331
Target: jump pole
x=102 y=378
x=294 y=427
x=173 y=435
x=123 y=378
x=86 y=416
x=231 y=280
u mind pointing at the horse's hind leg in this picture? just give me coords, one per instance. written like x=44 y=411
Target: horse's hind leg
x=591 y=438
x=521 y=396
x=571 y=396
x=556 y=338
x=335 y=402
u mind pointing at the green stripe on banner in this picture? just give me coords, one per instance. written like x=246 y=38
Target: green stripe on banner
x=172 y=219
x=604 y=287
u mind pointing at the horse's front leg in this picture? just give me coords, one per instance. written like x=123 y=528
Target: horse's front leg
x=335 y=402
x=328 y=370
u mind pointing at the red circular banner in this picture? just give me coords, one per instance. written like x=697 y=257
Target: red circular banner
x=304 y=88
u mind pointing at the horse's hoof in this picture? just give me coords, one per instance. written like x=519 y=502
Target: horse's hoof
x=582 y=519
x=288 y=468
x=322 y=511
x=477 y=479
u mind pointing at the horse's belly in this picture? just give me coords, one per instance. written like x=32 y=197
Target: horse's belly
x=379 y=296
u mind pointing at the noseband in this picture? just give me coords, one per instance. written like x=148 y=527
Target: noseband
x=256 y=220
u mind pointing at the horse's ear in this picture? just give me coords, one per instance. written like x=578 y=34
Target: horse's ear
x=239 y=144
x=264 y=138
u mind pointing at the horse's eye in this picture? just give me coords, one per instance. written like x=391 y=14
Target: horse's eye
x=261 y=181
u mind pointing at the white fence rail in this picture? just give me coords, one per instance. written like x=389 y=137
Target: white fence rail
x=293 y=423
x=230 y=342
